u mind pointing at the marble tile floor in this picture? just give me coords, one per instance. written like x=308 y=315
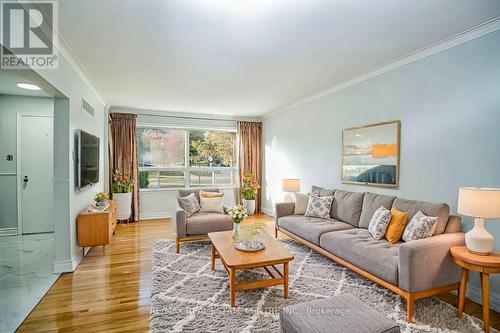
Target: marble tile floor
x=26 y=264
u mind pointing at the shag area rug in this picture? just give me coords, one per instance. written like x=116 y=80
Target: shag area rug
x=187 y=296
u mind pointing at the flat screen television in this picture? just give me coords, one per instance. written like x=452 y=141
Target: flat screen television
x=88 y=159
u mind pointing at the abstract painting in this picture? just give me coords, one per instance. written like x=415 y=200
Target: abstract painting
x=370 y=154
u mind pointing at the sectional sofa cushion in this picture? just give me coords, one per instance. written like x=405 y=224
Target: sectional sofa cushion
x=203 y=223
x=322 y=192
x=440 y=210
x=310 y=228
x=347 y=206
x=358 y=247
x=372 y=202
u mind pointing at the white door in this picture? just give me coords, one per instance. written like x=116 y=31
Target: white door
x=36 y=167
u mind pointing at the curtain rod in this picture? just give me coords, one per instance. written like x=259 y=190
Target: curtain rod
x=184 y=117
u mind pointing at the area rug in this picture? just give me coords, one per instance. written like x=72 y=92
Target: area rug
x=187 y=296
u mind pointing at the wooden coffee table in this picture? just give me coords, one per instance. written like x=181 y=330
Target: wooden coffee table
x=234 y=260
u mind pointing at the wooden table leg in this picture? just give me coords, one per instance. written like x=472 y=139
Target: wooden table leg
x=232 y=287
x=213 y=257
x=285 y=280
x=485 y=290
x=464 y=275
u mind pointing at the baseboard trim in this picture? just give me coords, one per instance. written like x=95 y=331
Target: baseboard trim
x=68 y=266
x=8 y=232
x=267 y=211
x=155 y=215
x=474 y=294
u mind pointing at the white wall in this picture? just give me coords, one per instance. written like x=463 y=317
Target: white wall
x=68 y=118
x=449 y=107
x=10 y=107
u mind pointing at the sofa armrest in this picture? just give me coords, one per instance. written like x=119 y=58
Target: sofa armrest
x=426 y=263
x=283 y=209
x=179 y=221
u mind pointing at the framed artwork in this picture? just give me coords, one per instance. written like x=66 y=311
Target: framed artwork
x=370 y=154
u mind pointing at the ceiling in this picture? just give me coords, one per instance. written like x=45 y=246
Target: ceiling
x=248 y=57
x=9 y=80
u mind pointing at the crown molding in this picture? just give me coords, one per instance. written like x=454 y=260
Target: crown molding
x=79 y=68
x=463 y=37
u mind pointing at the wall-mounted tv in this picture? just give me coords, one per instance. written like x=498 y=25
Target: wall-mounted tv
x=87 y=159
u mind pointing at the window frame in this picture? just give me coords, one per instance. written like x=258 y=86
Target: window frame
x=187 y=165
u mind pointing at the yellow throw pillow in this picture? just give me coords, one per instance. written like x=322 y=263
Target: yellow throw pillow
x=396 y=226
x=204 y=194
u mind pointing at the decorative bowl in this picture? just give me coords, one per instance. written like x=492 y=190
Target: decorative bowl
x=246 y=246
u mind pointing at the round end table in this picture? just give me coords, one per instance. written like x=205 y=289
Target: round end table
x=485 y=265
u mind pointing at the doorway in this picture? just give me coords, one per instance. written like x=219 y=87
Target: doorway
x=35 y=173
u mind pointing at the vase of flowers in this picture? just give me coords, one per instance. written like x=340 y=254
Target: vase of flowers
x=122 y=193
x=237 y=213
x=100 y=199
x=249 y=190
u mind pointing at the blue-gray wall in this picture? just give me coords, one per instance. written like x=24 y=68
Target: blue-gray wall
x=449 y=107
x=10 y=107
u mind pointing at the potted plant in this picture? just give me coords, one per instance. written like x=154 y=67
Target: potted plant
x=122 y=194
x=249 y=190
x=238 y=213
x=100 y=199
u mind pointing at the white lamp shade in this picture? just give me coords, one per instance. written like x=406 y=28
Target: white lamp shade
x=290 y=185
x=479 y=202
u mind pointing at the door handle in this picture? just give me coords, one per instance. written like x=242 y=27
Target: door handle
x=25 y=179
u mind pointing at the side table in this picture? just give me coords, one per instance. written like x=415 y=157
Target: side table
x=485 y=265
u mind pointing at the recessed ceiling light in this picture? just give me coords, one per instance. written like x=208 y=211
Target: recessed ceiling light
x=28 y=86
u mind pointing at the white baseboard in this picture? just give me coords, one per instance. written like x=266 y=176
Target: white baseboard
x=68 y=266
x=267 y=211
x=8 y=232
x=155 y=215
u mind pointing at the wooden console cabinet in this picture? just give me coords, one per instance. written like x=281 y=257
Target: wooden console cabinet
x=96 y=228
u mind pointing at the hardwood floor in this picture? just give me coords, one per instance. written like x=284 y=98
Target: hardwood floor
x=110 y=292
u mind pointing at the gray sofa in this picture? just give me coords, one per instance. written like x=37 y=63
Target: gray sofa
x=197 y=226
x=413 y=270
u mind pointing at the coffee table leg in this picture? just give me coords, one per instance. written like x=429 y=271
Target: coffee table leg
x=485 y=286
x=232 y=287
x=462 y=291
x=285 y=280
x=213 y=257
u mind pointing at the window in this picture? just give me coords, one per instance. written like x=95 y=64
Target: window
x=175 y=158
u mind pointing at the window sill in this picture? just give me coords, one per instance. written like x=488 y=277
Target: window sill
x=175 y=189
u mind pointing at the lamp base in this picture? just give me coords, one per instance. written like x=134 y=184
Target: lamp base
x=479 y=241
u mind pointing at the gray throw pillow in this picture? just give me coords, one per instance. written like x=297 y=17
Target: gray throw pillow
x=189 y=204
x=379 y=222
x=319 y=206
x=421 y=226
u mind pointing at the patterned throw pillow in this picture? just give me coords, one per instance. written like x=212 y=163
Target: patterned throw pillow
x=379 y=222
x=319 y=206
x=421 y=226
x=189 y=204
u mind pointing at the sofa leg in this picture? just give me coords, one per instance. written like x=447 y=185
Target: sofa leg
x=177 y=245
x=275 y=232
x=409 y=308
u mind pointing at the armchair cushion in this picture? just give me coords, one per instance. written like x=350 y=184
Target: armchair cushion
x=203 y=223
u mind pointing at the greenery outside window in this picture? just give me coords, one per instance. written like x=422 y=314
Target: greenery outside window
x=177 y=158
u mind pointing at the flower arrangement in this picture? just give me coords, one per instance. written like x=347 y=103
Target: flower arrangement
x=121 y=183
x=100 y=198
x=238 y=213
x=249 y=187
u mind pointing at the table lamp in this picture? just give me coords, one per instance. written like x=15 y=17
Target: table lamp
x=290 y=185
x=479 y=203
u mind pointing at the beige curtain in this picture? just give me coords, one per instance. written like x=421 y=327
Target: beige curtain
x=123 y=152
x=250 y=146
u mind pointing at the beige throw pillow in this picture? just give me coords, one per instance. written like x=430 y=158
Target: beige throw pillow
x=212 y=205
x=301 y=201
x=211 y=194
